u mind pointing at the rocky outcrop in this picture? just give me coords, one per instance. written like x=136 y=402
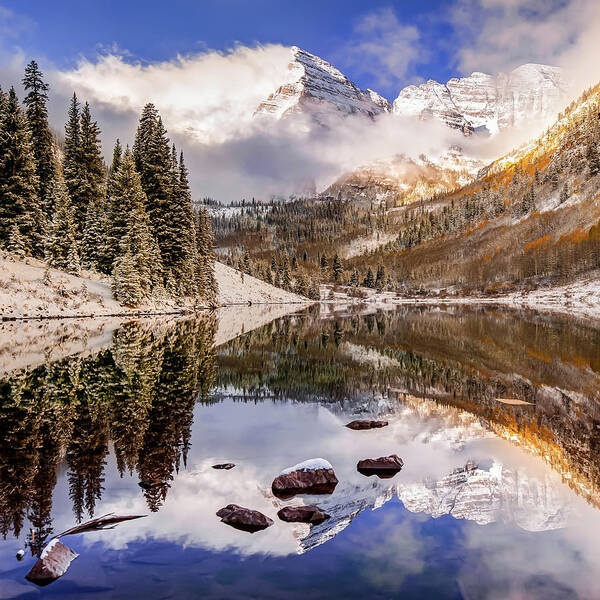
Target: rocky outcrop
x=315 y=476
x=225 y=466
x=360 y=425
x=319 y=90
x=481 y=102
x=302 y=514
x=244 y=519
x=384 y=467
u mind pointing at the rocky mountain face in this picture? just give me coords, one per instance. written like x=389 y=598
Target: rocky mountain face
x=317 y=88
x=499 y=493
x=481 y=102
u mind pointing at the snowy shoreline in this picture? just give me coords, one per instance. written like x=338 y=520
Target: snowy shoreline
x=29 y=290
x=580 y=299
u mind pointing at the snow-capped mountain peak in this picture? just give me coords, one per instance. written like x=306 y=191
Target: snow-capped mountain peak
x=317 y=88
x=484 y=102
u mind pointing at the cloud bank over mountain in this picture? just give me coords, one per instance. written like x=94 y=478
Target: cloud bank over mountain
x=208 y=99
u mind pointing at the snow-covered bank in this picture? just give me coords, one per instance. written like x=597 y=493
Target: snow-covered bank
x=28 y=289
x=579 y=299
x=236 y=287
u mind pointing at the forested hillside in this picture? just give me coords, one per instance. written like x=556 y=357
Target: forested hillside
x=530 y=218
x=133 y=220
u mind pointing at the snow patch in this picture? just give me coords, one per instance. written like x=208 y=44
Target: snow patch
x=313 y=464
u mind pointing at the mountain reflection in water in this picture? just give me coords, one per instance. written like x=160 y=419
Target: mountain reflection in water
x=495 y=499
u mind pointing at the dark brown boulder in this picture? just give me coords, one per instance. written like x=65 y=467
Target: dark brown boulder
x=225 y=466
x=303 y=514
x=359 y=425
x=384 y=466
x=244 y=519
x=315 y=476
x=52 y=563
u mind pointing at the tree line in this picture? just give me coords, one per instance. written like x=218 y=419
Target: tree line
x=133 y=220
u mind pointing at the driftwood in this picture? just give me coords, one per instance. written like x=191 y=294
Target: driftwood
x=108 y=521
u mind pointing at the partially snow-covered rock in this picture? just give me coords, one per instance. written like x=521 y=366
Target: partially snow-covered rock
x=314 y=476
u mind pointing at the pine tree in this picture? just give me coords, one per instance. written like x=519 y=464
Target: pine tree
x=380 y=278
x=181 y=227
x=72 y=162
x=92 y=194
x=593 y=158
x=337 y=268
x=16 y=243
x=564 y=193
x=130 y=231
x=369 y=280
x=125 y=282
x=153 y=162
x=206 y=257
x=114 y=167
x=301 y=287
x=19 y=202
x=61 y=238
x=41 y=136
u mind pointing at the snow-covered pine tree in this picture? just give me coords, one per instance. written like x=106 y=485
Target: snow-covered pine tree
x=41 y=137
x=185 y=255
x=92 y=198
x=19 y=202
x=130 y=228
x=114 y=167
x=125 y=282
x=73 y=263
x=152 y=156
x=61 y=236
x=16 y=243
x=593 y=158
x=206 y=256
x=72 y=163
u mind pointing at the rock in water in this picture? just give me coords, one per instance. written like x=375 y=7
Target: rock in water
x=225 y=466
x=315 y=476
x=244 y=518
x=360 y=425
x=384 y=466
x=52 y=563
x=303 y=514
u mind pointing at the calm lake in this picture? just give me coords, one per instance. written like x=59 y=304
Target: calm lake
x=496 y=416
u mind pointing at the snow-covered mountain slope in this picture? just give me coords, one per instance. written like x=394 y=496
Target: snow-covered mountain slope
x=487 y=103
x=316 y=88
x=499 y=493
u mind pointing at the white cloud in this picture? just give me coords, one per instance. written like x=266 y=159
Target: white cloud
x=207 y=102
x=499 y=35
x=384 y=48
x=210 y=96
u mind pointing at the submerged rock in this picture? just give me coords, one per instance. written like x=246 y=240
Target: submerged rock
x=384 y=466
x=52 y=563
x=366 y=424
x=244 y=519
x=303 y=514
x=314 y=476
x=225 y=466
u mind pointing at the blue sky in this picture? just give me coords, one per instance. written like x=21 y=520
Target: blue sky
x=62 y=32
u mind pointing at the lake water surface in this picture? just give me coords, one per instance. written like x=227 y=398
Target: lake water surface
x=495 y=414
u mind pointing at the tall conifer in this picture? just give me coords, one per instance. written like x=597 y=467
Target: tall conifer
x=41 y=136
x=19 y=202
